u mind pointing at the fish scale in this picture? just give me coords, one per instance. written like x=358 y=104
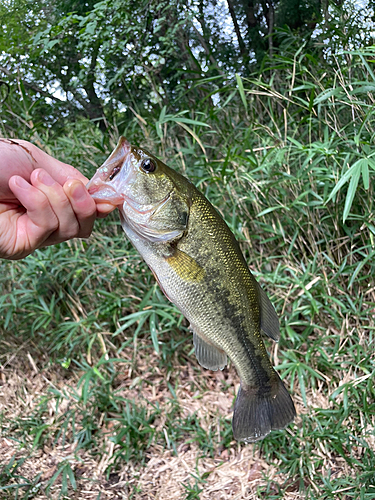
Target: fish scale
x=230 y=261
x=200 y=268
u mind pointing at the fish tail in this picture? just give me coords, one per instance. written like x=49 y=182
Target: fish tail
x=257 y=411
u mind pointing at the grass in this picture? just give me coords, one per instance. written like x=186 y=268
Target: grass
x=100 y=384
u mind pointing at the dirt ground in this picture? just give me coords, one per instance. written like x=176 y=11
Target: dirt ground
x=236 y=473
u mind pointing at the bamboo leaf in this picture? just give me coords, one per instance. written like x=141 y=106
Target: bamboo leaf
x=72 y=479
x=193 y=134
x=365 y=175
x=162 y=114
x=271 y=209
x=179 y=119
x=154 y=333
x=371 y=163
x=229 y=98
x=352 y=190
x=357 y=166
x=326 y=94
x=241 y=90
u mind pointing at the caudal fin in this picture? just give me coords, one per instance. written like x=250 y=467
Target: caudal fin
x=256 y=414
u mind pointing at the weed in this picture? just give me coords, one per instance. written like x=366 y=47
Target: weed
x=288 y=162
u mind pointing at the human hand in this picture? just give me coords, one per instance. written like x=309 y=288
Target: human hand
x=42 y=200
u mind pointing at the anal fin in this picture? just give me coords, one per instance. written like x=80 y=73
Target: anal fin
x=208 y=355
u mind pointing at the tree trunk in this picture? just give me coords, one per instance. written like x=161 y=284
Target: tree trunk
x=271 y=21
x=94 y=107
x=249 y=12
x=241 y=43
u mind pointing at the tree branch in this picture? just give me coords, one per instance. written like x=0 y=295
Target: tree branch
x=94 y=108
x=33 y=87
x=207 y=50
x=237 y=29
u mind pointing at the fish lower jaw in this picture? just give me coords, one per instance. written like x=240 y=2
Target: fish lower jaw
x=143 y=209
x=115 y=200
x=102 y=192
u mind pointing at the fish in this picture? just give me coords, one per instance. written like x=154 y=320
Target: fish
x=200 y=268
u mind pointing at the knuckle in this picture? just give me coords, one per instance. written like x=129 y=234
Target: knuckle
x=54 y=226
x=53 y=223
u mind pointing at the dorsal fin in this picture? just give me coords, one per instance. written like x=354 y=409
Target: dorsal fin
x=269 y=321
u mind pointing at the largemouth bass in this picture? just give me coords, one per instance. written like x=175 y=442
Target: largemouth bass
x=200 y=268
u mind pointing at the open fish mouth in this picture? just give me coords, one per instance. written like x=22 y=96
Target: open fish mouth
x=146 y=209
x=100 y=187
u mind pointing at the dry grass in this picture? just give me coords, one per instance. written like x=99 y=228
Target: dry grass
x=232 y=472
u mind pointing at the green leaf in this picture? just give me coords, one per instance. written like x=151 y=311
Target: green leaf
x=241 y=90
x=229 y=98
x=354 y=169
x=51 y=44
x=272 y=209
x=154 y=333
x=91 y=27
x=162 y=114
x=326 y=94
x=359 y=267
x=72 y=479
x=352 y=190
x=295 y=142
x=179 y=119
x=301 y=379
x=97 y=373
x=371 y=163
x=365 y=175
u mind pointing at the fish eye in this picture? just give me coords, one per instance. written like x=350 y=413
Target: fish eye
x=148 y=165
x=114 y=172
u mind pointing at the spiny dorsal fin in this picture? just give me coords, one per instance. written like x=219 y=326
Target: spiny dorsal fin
x=269 y=322
x=208 y=355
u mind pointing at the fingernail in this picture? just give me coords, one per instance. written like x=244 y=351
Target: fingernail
x=79 y=192
x=45 y=178
x=21 y=182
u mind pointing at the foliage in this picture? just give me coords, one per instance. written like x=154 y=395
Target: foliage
x=107 y=60
x=285 y=153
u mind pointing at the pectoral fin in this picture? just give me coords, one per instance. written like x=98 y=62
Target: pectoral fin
x=208 y=355
x=269 y=321
x=185 y=266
